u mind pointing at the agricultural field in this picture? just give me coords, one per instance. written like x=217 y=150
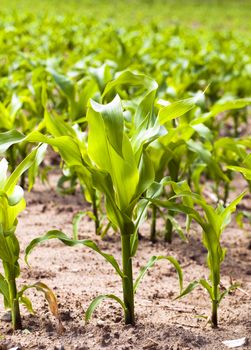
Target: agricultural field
x=125 y=175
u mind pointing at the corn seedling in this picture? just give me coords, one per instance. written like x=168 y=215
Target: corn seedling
x=11 y=204
x=120 y=169
x=213 y=222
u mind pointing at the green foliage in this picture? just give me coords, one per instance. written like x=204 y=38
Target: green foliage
x=213 y=222
x=136 y=113
x=119 y=168
x=11 y=204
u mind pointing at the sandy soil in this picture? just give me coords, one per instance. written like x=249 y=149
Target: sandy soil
x=77 y=275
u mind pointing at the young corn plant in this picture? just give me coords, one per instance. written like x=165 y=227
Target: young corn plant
x=11 y=204
x=121 y=170
x=213 y=222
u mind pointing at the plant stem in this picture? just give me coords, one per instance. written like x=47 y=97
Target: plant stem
x=214 y=314
x=173 y=167
x=23 y=154
x=226 y=193
x=169 y=230
x=153 y=237
x=215 y=301
x=15 y=309
x=236 y=125
x=128 y=294
x=95 y=213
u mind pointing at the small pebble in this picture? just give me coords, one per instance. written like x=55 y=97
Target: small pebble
x=25 y=331
x=6 y=317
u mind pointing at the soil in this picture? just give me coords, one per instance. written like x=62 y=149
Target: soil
x=77 y=275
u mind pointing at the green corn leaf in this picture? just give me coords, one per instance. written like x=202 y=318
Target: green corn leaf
x=247 y=160
x=64 y=83
x=177 y=227
x=204 y=132
x=244 y=171
x=112 y=115
x=56 y=126
x=68 y=148
x=34 y=168
x=3 y=172
x=20 y=169
x=128 y=78
x=11 y=214
x=143 y=271
x=95 y=303
x=229 y=290
x=102 y=75
x=207 y=158
x=14 y=107
x=222 y=106
x=16 y=196
x=207 y=286
x=188 y=289
x=27 y=303
x=180 y=208
x=108 y=157
x=9 y=138
x=71 y=242
x=226 y=213
x=6 y=254
x=196 y=175
x=76 y=220
x=70 y=189
x=4 y=290
x=146 y=174
x=143 y=118
x=176 y=109
x=143 y=137
x=151 y=263
x=5 y=121
x=103 y=183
